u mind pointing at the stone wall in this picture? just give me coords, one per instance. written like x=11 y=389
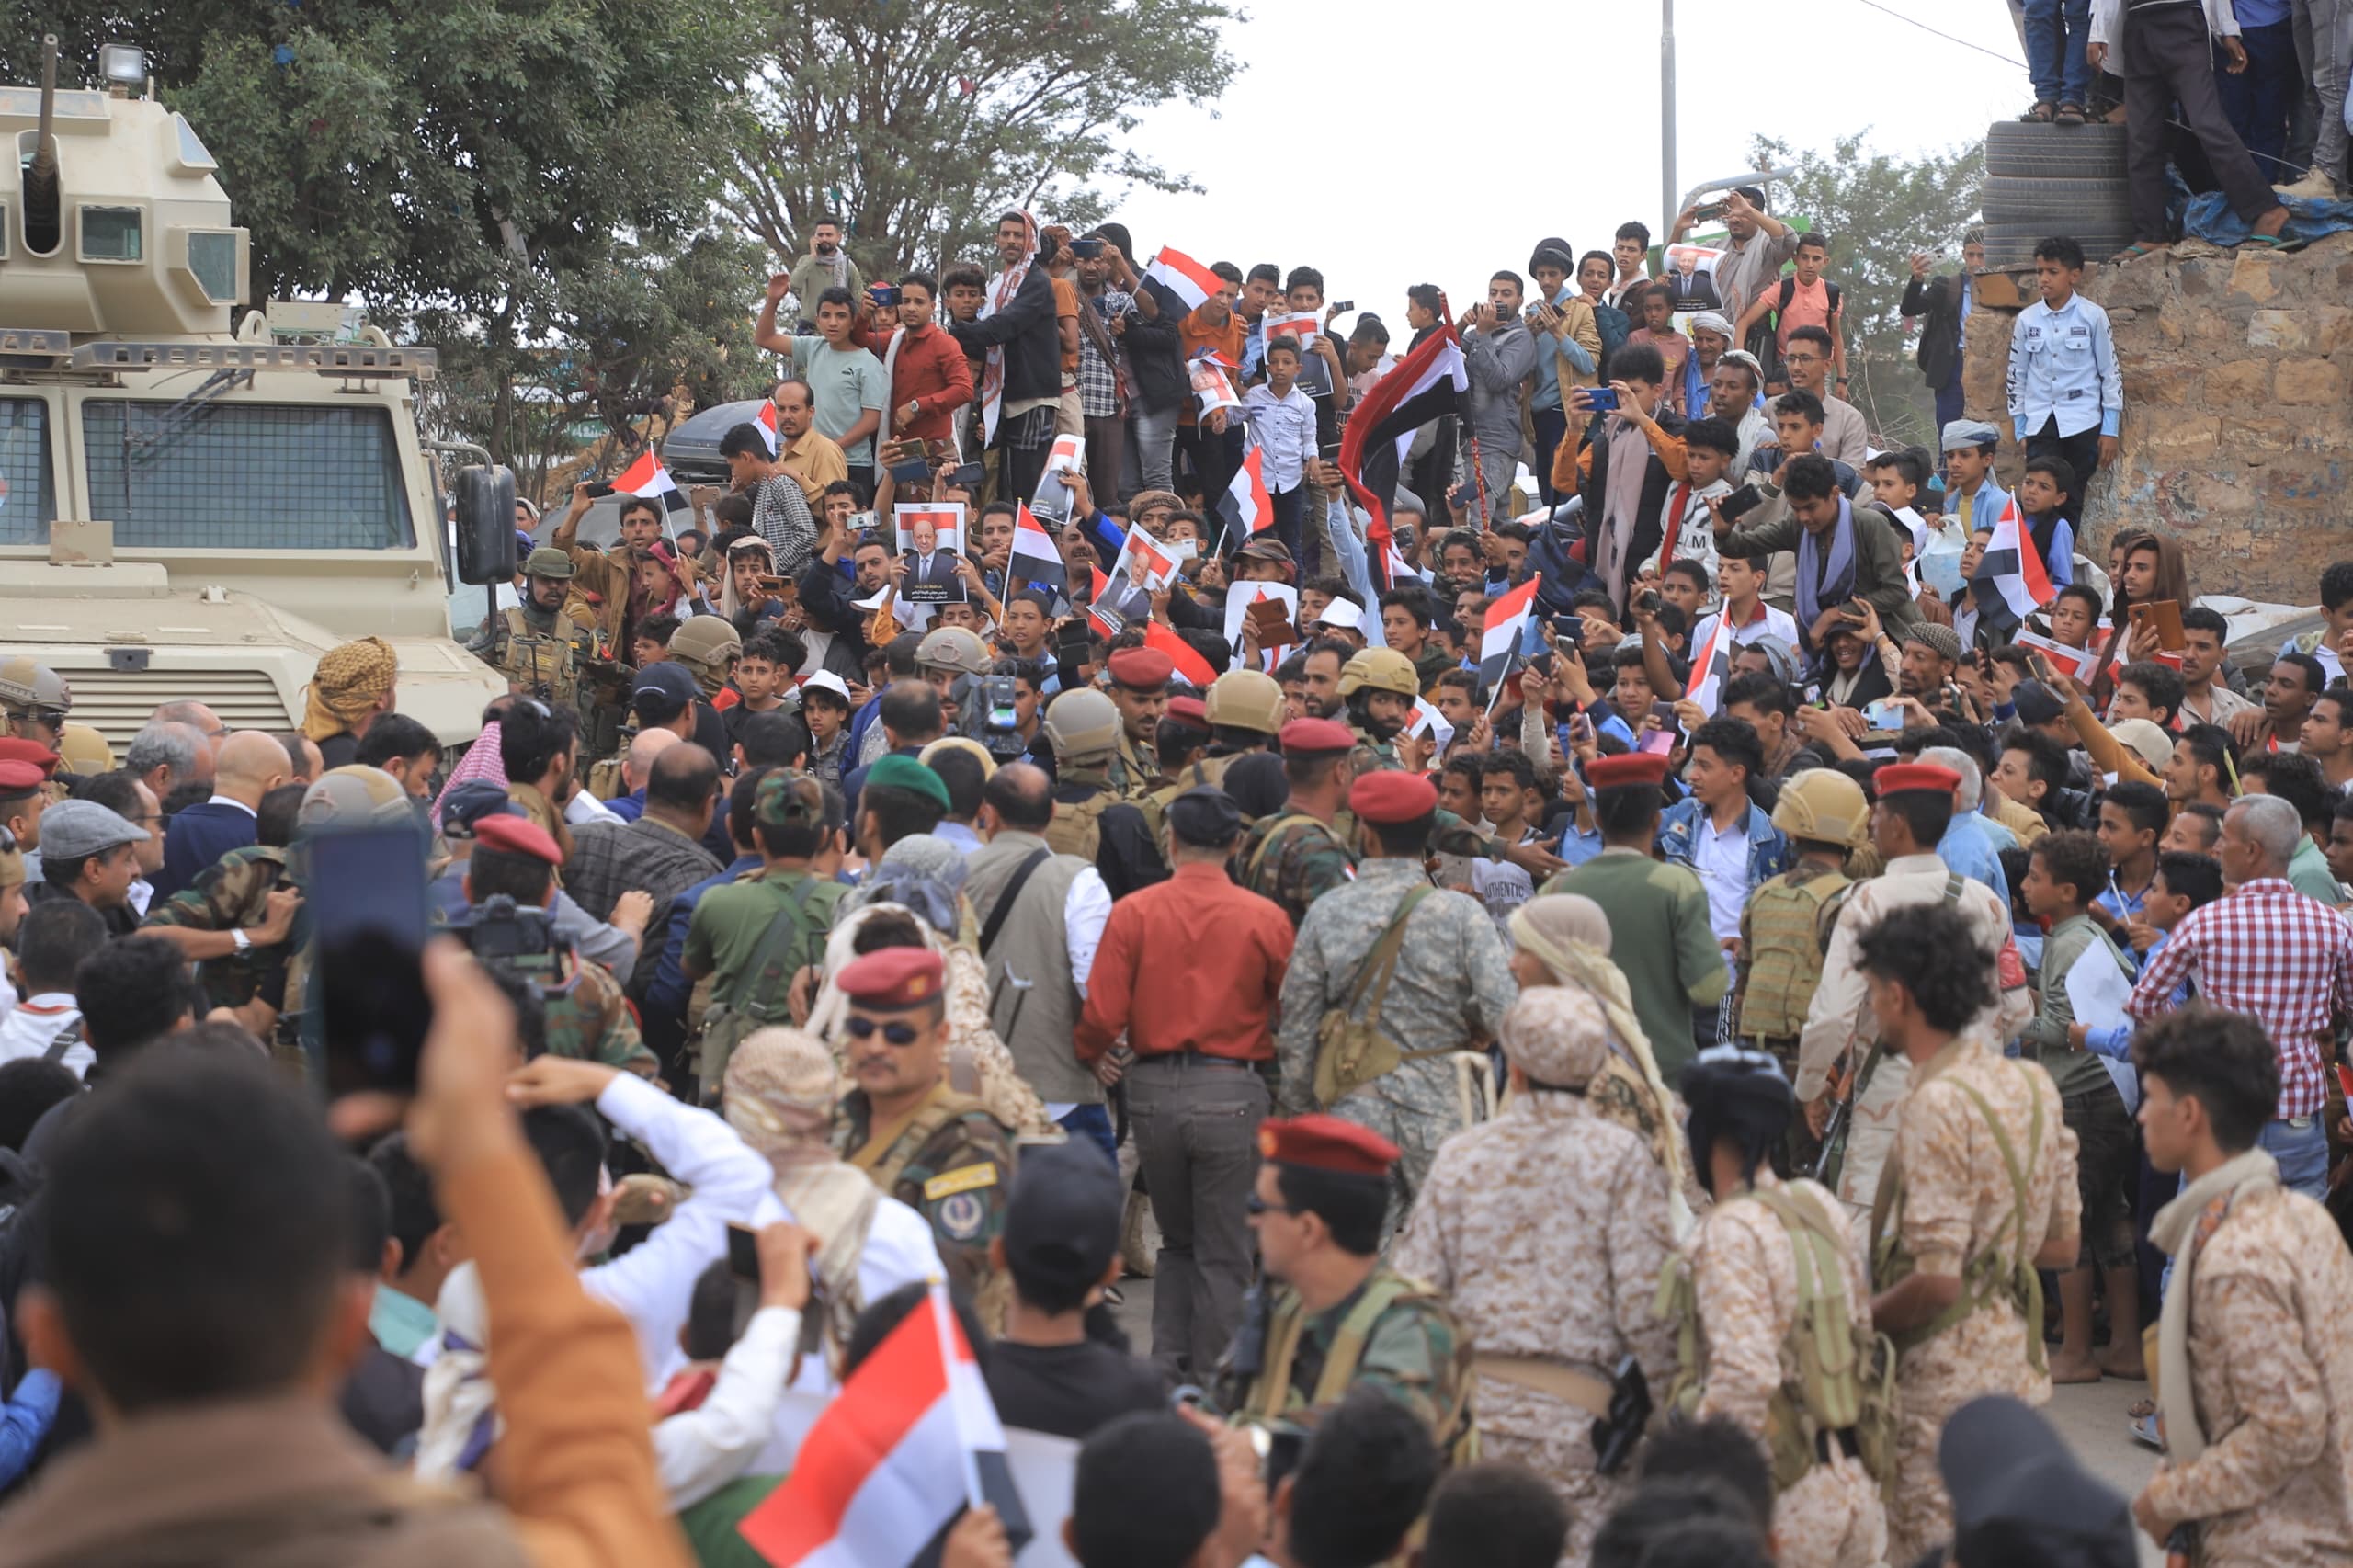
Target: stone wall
x=2238 y=427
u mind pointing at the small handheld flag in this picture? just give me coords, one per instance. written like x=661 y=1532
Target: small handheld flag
x=646 y=477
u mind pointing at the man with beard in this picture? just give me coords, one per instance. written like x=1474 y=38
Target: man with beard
x=826 y=266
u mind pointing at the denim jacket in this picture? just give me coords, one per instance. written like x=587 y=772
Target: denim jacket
x=1769 y=847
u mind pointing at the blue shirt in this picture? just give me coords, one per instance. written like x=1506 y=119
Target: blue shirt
x=629 y=806
x=2121 y=905
x=1967 y=851
x=2116 y=1042
x=2063 y=367
x=25 y=1422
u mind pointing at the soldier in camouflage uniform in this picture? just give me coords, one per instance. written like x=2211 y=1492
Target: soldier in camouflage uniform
x=1786 y=927
x=587 y=1016
x=1380 y=688
x=232 y=922
x=1545 y=1229
x=1297 y=855
x=1336 y=1317
x=539 y=646
x=1446 y=990
x=1140 y=691
x=930 y=1146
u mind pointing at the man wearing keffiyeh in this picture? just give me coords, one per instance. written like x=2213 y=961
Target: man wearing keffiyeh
x=1021 y=379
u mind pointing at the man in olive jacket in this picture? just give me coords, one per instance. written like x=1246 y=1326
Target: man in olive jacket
x=1846 y=550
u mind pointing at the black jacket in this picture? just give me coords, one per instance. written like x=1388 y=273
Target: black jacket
x=1156 y=355
x=1937 y=300
x=1032 y=342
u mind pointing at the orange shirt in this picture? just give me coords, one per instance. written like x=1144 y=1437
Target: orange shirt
x=1193 y=335
x=1066 y=308
x=1194 y=963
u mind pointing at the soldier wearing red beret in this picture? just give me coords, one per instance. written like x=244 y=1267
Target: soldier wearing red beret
x=1139 y=690
x=1339 y=1317
x=920 y=1139
x=1298 y=854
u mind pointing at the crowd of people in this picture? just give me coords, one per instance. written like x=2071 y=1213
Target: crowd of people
x=1640 y=1013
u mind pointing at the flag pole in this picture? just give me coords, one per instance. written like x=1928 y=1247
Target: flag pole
x=942 y=1318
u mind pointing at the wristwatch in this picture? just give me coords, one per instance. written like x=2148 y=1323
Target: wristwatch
x=243 y=942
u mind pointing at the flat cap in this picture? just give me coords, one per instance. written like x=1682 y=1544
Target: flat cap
x=1141 y=669
x=897 y=772
x=1393 y=796
x=2036 y=703
x=1326 y=1144
x=1266 y=548
x=1943 y=639
x=893 y=979
x=1205 y=816
x=70 y=830
x=516 y=835
x=1316 y=734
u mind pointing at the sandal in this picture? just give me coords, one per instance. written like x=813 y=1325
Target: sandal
x=2070 y=114
x=2040 y=114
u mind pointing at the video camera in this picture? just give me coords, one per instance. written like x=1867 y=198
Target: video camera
x=503 y=933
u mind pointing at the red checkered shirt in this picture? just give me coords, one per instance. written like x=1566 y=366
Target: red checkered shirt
x=2268 y=951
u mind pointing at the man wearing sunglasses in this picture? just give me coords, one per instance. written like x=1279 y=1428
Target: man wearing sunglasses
x=929 y=1145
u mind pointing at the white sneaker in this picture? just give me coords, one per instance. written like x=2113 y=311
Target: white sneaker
x=2319 y=185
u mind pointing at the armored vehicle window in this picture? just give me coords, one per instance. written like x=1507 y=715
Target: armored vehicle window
x=29 y=503
x=246 y=476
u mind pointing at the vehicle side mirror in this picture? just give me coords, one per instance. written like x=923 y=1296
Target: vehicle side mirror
x=486 y=498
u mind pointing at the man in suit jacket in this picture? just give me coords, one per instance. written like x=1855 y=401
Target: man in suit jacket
x=251 y=765
x=1942 y=304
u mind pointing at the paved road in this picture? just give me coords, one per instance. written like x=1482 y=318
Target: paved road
x=2091 y=1416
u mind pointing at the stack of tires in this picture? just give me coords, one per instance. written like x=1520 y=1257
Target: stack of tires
x=2042 y=180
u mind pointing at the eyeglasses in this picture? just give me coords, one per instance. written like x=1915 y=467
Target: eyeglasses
x=896 y=1034
x=1254 y=1205
x=1802 y=359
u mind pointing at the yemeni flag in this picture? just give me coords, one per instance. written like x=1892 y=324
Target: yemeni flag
x=2015 y=567
x=1507 y=621
x=764 y=422
x=1034 y=562
x=1181 y=279
x=1247 y=507
x=1190 y=664
x=648 y=478
x=1426 y=384
x=1712 y=666
x=911 y=1438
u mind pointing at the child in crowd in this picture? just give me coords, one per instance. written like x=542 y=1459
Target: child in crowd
x=2067 y=872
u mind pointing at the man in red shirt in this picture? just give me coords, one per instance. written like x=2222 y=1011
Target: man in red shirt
x=930 y=378
x=1189 y=970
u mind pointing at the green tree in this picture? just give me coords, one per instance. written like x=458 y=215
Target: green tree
x=1876 y=210
x=509 y=171
x=921 y=123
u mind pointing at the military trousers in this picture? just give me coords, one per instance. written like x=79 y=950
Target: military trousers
x=1195 y=1119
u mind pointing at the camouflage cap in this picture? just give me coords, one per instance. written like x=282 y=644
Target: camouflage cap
x=354 y=796
x=549 y=563
x=786 y=799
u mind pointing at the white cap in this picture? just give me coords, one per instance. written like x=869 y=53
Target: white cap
x=825 y=681
x=1342 y=612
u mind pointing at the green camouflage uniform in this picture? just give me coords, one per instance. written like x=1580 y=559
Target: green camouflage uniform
x=1293 y=858
x=1452 y=986
x=1135 y=771
x=1413 y=1352
x=589 y=1020
x=952 y=1163
x=232 y=894
x=541 y=654
x=1449 y=835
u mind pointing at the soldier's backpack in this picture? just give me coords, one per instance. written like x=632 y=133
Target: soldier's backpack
x=1350 y=1049
x=794 y=939
x=540 y=663
x=1270 y=1400
x=1845 y=1381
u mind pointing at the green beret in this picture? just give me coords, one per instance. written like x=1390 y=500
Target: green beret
x=905 y=773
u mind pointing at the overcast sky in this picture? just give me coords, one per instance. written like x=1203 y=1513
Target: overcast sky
x=1455 y=150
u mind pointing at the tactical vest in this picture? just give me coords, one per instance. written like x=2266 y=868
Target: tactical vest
x=540 y=663
x=1846 y=1379
x=1785 y=921
x=1078 y=827
x=1271 y=1399
x=1208 y=773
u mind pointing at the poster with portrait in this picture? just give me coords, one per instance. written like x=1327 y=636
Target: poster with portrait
x=930 y=538
x=1691 y=278
x=1145 y=566
x=1214 y=384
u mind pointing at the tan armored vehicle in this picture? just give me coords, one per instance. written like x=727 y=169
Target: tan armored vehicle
x=197 y=500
